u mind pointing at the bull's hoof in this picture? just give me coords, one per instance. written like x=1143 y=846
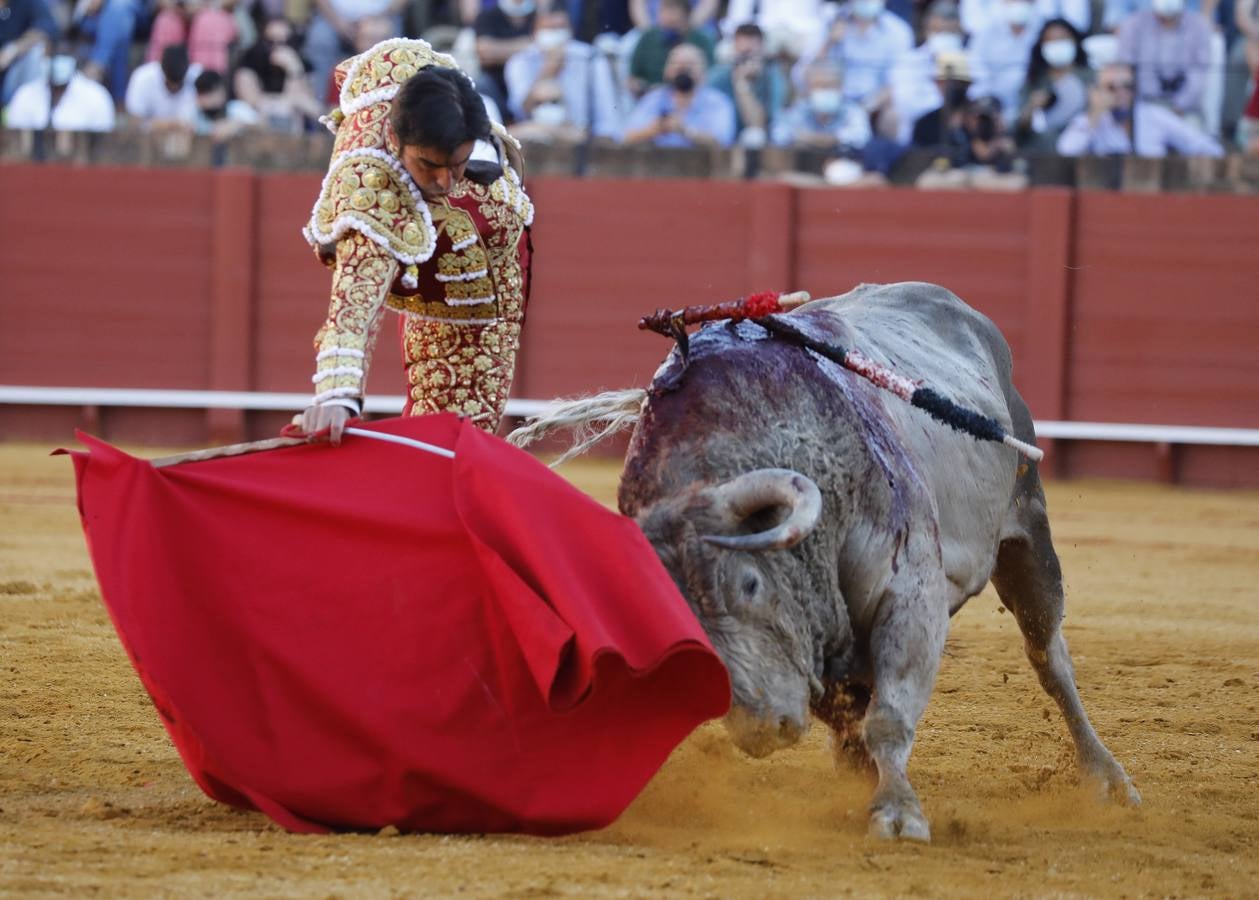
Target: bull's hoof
x=1112 y=783
x=893 y=823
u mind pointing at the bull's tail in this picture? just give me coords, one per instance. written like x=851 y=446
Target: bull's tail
x=590 y=419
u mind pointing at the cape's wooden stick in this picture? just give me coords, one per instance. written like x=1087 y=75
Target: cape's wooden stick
x=229 y=450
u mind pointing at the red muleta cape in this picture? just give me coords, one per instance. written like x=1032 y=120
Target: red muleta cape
x=373 y=635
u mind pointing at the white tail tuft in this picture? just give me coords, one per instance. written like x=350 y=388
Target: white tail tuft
x=591 y=419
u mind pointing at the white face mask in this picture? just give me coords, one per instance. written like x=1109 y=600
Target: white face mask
x=517 y=7
x=550 y=114
x=1168 y=8
x=1016 y=12
x=61 y=70
x=553 y=38
x=867 y=9
x=826 y=101
x=1058 y=53
x=944 y=42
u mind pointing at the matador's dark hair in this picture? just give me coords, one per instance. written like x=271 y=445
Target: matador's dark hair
x=439 y=107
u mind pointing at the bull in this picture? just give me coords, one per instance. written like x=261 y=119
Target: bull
x=824 y=532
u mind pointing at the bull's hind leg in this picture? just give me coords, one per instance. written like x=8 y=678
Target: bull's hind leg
x=1029 y=580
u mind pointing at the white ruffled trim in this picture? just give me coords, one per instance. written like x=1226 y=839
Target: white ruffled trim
x=466 y=276
x=335 y=392
x=409 y=281
x=464 y=244
x=330 y=123
x=339 y=351
x=346 y=221
x=333 y=373
x=468 y=301
x=350 y=105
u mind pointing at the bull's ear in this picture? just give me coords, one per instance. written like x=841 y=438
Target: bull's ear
x=774 y=508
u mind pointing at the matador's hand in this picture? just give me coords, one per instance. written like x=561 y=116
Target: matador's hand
x=316 y=418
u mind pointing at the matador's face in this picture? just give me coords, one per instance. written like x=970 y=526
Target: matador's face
x=433 y=170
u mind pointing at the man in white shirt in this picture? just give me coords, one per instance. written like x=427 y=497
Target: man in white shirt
x=1113 y=125
x=75 y=102
x=161 y=94
x=558 y=87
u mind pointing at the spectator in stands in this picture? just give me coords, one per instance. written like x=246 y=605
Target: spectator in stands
x=271 y=78
x=557 y=87
x=1170 y=49
x=978 y=15
x=217 y=116
x=790 y=26
x=368 y=32
x=823 y=118
x=672 y=28
x=502 y=31
x=755 y=84
x=26 y=28
x=205 y=27
x=644 y=13
x=109 y=25
x=333 y=33
x=866 y=42
x=1000 y=55
x=161 y=95
x=1056 y=91
x=1116 y=12
x=968 y=136
x=914 y=91
x=684 y=112
x=1115 y=124
x=70 y=99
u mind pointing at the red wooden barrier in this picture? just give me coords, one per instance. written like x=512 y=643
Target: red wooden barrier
x=1119 y=308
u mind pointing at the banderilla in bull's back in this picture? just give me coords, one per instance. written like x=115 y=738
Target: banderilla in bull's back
x=764 y=308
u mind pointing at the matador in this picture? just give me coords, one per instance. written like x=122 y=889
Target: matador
x=409 y=222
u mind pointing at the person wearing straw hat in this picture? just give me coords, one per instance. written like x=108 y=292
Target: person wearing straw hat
x=408 y=221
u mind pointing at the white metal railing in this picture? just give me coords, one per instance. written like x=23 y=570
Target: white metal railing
x=256 y=400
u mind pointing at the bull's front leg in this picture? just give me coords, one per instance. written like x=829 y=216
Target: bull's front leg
x=905 y=643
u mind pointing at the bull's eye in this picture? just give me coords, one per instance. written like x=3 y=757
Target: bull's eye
x=750 y=584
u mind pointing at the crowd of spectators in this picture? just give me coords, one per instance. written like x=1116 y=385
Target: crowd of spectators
x=979 y=82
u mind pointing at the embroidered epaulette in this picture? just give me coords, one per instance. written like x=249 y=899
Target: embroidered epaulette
x=369 y=192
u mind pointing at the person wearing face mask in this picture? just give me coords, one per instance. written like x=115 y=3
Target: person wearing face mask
x=1116 y=123
x=914 y=91
x=1000 y=54
x=1169 y=47
x=673 y=27
x=558 y=87
x=219 y=117
x=823 y=118
x=683 y=112
x=1055 y=91
x=502 y=31
x=66 y=101
x=866 y=42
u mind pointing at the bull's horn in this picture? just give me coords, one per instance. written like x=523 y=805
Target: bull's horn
x=757 y=490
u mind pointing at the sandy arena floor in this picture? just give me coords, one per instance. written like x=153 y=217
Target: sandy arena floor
x=1163 y=619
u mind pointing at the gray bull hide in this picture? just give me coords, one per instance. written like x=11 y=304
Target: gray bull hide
x=824 y=530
